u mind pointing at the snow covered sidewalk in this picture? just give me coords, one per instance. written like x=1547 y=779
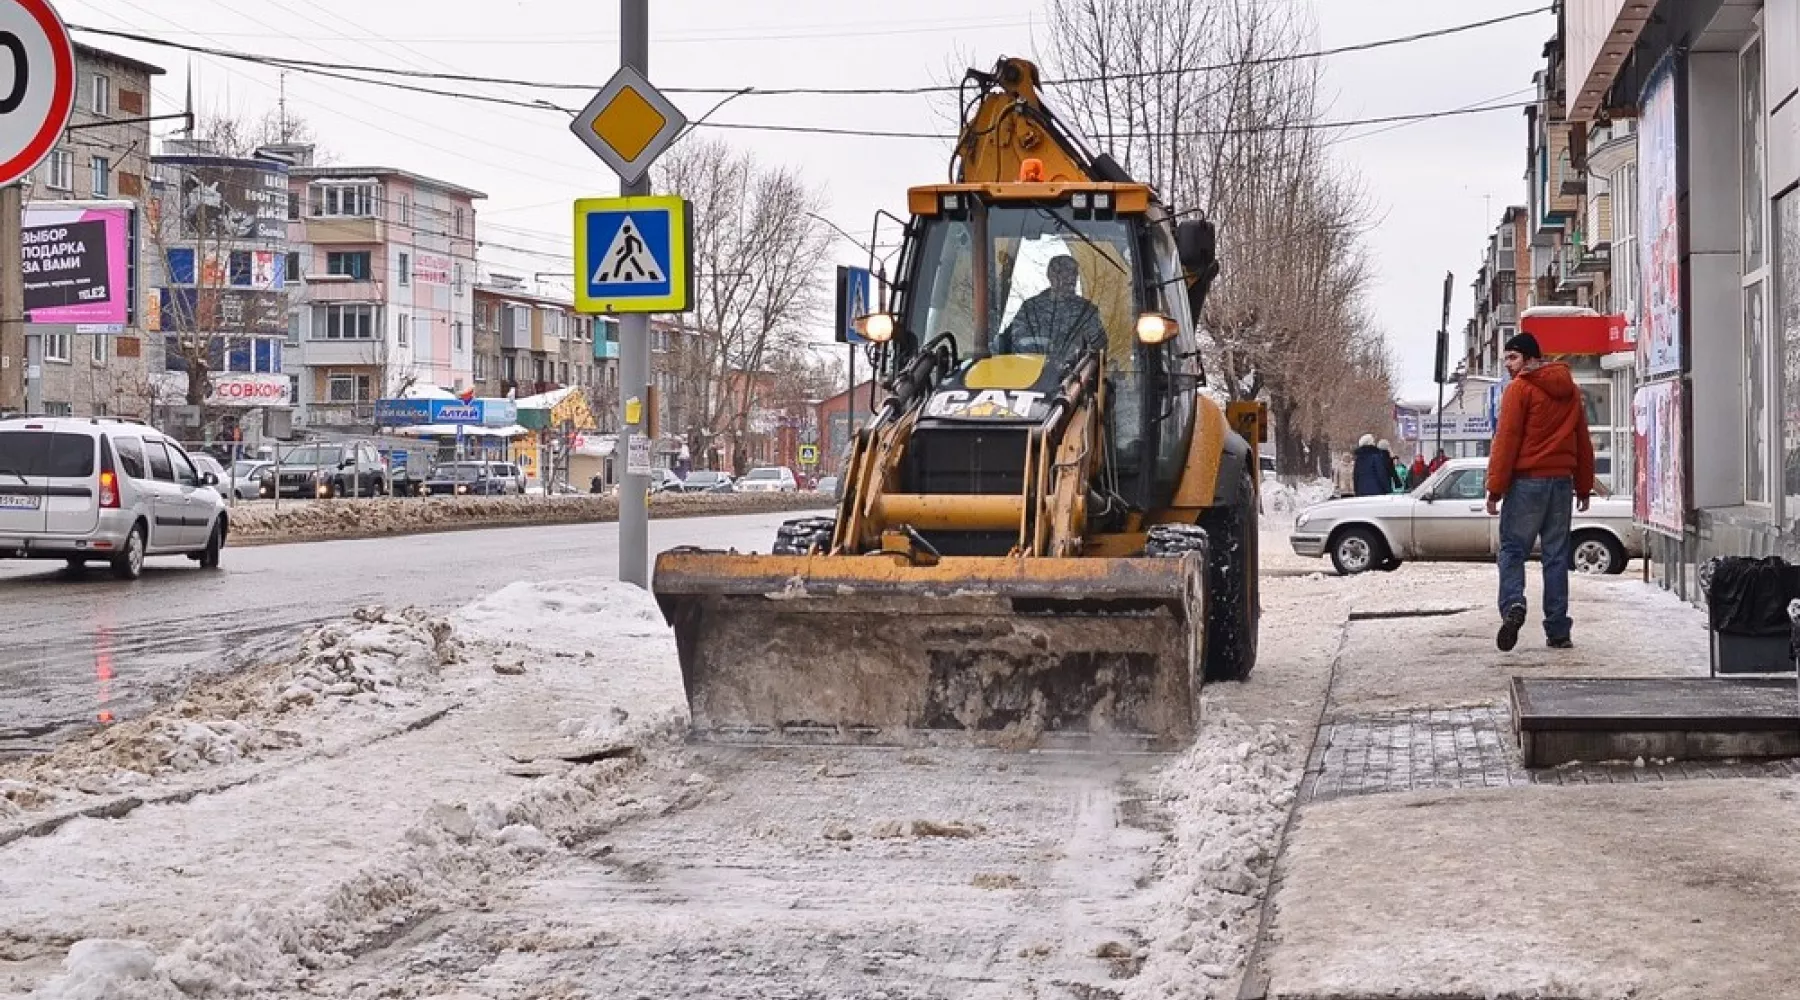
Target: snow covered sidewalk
x=1485 y=881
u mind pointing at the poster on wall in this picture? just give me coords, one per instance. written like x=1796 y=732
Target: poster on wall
x=1659 y=248
x=1659 y=499
x=76 y=260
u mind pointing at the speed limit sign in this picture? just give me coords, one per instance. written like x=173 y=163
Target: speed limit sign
x=37 y=84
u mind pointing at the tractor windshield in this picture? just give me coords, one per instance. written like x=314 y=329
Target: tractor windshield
x=1026 y=279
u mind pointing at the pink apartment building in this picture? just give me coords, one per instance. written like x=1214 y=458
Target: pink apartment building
x=382 y=269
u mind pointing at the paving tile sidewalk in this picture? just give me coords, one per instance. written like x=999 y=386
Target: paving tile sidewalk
x=1425 y=861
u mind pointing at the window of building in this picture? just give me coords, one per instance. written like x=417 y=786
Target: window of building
x=56 y=347
x=1759 y=359
x=293 y=267
x=102 y=103
x=459 y=220
x=456 y=283
x=403 y=329
x=344 y=322
x=405 y=269
x=509 y=368
x=97 y=349
x=405 y=206
x=480 y=368
x=563 y=373
x=456 y=335
x=351 y=263
x=355 y=201
x=101 y=168
x=61 y=170
x=1506 y=236
x=341 y=388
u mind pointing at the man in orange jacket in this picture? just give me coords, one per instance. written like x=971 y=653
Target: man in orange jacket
x=1541 y=466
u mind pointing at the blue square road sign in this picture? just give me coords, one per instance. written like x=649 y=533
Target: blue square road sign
x=633 y=255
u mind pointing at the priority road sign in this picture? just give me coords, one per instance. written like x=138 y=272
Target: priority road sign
x=633 y=255
x=628 y=124
x=38 y=94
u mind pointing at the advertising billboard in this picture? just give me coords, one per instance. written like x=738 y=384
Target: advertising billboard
x=1659 y=215
x=1659 y=496
x=222 y=310
x=228 y=199
x=78 y=263
x=243 y=389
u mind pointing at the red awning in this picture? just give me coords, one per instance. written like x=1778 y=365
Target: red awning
x=1595 y=334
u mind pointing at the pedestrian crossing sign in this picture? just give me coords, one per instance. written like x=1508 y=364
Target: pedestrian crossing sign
x=632 y=255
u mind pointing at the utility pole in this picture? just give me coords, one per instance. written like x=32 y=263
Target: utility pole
x=1442 y=368
x=634 y=348
x=12 y=301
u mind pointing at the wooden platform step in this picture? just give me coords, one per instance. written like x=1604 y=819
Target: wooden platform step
x=1561 y=720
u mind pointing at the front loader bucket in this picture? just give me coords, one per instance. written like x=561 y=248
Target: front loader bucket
x=983 y=651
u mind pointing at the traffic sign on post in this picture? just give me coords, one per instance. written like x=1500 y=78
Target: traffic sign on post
x=809 y=454
x=633 y=255
x=38 y=96
x=628 y=124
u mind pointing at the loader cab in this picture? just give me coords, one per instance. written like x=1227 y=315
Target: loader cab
x=1028 y=278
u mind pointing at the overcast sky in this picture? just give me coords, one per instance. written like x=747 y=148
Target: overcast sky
x=1439 y=186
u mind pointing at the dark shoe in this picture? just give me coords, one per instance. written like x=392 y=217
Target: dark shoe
x=1510 y=624
x=1561 y=642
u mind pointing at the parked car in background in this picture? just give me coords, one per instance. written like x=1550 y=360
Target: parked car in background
x=489 y=479
x=768 y=479
x=244 y=478
x=326 y=470
x=828 y=484
x=665 y=481
x=104 y=489
x=1446 y=519
x=707 y=481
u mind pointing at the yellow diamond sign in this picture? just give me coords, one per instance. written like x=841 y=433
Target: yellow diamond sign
x=628 y=124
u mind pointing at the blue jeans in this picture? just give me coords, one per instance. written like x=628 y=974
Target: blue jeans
x=1537 y=509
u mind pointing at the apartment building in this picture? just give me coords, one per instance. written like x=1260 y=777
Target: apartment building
x=529 y=343
x=96 y=369
x=381 y=267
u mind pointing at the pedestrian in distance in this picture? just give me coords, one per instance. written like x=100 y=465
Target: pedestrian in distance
x=1418 y=472
x=1399 y=474
x=1437 y=462
x=1371 y=471
x=1395 y=470
x=1540 y=471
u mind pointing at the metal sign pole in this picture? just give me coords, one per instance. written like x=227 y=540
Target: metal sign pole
x=12 y=300
x=634 y=347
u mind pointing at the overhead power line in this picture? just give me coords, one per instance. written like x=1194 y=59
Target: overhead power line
x=420 y=74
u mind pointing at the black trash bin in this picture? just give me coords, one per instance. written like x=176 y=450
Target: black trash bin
x=1747 y=614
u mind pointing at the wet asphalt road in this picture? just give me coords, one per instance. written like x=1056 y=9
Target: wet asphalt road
x=80 y=650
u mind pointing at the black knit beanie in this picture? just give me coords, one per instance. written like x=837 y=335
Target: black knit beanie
x=1526 y=345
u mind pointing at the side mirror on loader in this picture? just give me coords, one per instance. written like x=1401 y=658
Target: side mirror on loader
x=1196 y=244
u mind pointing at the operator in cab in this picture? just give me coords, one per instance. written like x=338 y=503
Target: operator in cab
x=1056 y=322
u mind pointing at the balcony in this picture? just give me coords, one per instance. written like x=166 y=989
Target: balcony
x=605 y=350
x=332 y=230
x=341 y=288
x=1597 y=260
x=339 y=353
x=340 y=414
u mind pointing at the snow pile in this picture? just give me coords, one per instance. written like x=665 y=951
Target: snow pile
x=449 y=858
x=315 y=520
x=378 y=658
x=369 y=658
x=1228 y=797
x=1282 y=499
x=572 y=629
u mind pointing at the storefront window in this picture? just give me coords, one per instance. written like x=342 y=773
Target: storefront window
x=1759 y=434
x=1787 y=253
x=1757 y=443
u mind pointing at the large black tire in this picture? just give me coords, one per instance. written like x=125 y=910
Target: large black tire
x=804 y=536
x=1234 y=611
x=129 y=563
x=209 y=556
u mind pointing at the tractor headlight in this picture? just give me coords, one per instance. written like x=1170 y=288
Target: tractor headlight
x=878 y=327
x=1155 y=328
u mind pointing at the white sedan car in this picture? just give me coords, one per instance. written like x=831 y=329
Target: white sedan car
x=1446 y=519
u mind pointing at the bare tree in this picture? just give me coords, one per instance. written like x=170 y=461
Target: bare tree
x=1204 y=100
x=758 y=257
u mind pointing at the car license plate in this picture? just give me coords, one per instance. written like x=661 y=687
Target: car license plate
x=13 y=501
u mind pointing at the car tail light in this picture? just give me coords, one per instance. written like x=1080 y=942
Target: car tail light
x=109 y=480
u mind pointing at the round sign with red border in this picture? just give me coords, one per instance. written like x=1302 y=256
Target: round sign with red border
x=37 y=84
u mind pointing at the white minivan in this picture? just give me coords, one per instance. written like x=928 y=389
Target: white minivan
x=104 y=489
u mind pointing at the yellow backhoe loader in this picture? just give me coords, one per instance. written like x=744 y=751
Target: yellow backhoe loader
x=1047 y=533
